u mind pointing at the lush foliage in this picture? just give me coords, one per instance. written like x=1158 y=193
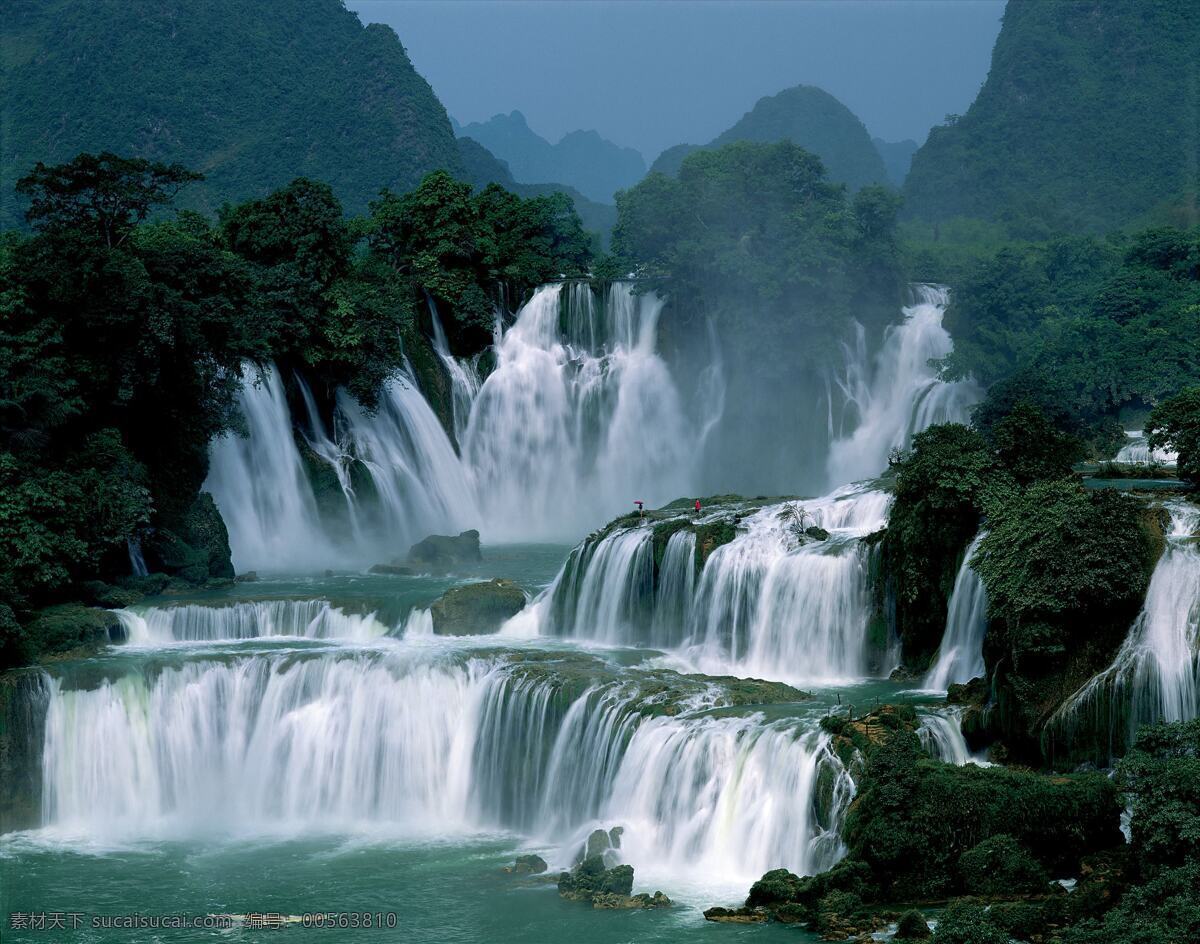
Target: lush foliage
x=1086 y=121
x=123 y=338
x=1083 y=326
x=940 y=484
x=1175 y=424
x=254 y=94
x=807 y=116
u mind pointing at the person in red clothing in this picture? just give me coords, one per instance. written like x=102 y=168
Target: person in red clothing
x=639 y=504
x=697 y=506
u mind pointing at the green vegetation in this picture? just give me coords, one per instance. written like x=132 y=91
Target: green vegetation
x=807 y=116
x=1175 y=424
x=1085 y=327
x=124 y=333
x=250 y=94
x=1086 y=123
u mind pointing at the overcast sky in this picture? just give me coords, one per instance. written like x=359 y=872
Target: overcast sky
x=654 y=74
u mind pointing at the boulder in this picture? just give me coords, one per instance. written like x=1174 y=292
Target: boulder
x=609 y=900
x=440 y=552
x=736 y=915
x=527 y=865
x=591 y=878
x=476 y=608
x=912 y=926
x=394 y=570
x=816 y=533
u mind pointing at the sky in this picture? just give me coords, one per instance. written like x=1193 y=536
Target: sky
x=654 y=73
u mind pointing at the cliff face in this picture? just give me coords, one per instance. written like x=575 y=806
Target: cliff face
x=250 y=94
x=1089 y=119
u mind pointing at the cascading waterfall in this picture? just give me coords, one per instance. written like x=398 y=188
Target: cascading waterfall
x=409 y=742
x=960 y=655
x=902 y=395
x=768 y=604
x=1156 y=674
x=575 y=424
x=260 y=486
x=942 y=737
x=309 y=619
x=1137 y=451
x=464 y=378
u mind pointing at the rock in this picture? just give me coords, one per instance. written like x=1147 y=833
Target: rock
x=476 y=608
x=736 y=915
x=816 y=533
x=591 y=878
x=69 y=627
x=608 y=900
x=393 y=569
x=603 y=844
x=106 y=595
x=440 y=552
x=527 y=865
x=250 y=576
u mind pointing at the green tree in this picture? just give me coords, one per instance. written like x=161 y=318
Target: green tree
x=1175 y=424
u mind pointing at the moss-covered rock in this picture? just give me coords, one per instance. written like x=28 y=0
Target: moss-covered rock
x=1000 y=866
x=912 y=926
x=592 y=877
x=70 y=628
x=204 y=529
x=441 y=552
x=476 y=608
x=710 y=536
x=527 y=865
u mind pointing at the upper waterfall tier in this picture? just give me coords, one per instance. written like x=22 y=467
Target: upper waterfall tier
x=901 y=395
x=960 y=655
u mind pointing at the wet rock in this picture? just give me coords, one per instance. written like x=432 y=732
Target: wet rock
x=816 y=533
x=607 y=900
x=591 y=878
x=476 y=608
x=394 y=570
x=441 y=552
x=527 y=865
x=70 y=628
x=603 y=844
x=736 y=915
x=250 y=576
x=106 y=595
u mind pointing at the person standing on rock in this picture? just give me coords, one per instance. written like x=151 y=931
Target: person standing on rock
x=697 y=507
x=639 y=504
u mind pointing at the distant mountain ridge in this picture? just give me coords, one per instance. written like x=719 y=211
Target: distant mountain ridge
x=250 y=94
x=807 y=116
x=1088 y=120
x=897 y=157
x=596 y=167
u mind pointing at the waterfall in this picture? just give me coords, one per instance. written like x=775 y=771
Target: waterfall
x=1156 y=674
x=960 y=655
x=259 y=484
x=942 y=737
x=704 y=798
x=464 y=378
x=902 y=395
x=1137 y=451
x=768 y=604
x=309 y=619
x=409 y=742
x=579 y=418
x=137 y=563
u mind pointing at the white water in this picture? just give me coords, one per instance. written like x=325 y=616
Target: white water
x=579 y=419
x=406 y=743
x=941 y=736
x=1137 y=451
x=960 y=655
x=573 y=425
x=260 y=487
x=1156 y=674
x=901 y=395
x=308 y=619
x=768 y=604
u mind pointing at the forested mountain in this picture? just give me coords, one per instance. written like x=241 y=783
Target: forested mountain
x=481 y=167
x=897 y=157
x=1087 y=120
x=807 y=116
x=582 y=159
x=251 y=95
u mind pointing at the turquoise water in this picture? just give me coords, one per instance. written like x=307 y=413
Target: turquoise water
x=442 y=881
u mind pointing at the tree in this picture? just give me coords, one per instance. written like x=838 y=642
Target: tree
x=103 y=194
x=1175 y=424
